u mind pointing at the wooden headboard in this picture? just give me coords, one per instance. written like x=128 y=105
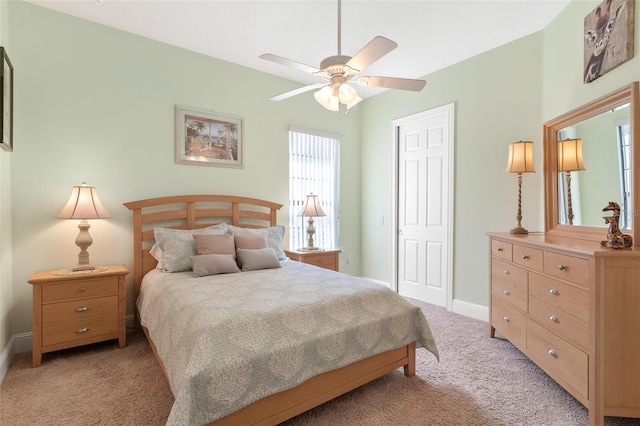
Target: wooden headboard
x=190 y=212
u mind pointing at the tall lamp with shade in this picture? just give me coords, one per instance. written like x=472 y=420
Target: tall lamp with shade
x=83 y=204
x=520 y=161
x=570 y=160
x=311 y=210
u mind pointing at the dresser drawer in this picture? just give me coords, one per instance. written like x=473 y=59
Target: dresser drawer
x=509 y=293
x=501 y=249
x=554 y=318
x=509 y=272
x=78 y=309
x=509 y=321
x=568 y=268
x=569 y=298
x=528 y=257
x=78 y=330
x=79 y=289
x=566 y=363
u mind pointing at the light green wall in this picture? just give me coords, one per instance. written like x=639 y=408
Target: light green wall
x=97 y=104
x=497 y=101
x=6 y=289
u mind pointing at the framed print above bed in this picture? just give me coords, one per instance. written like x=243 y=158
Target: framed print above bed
x=207 y=138
x=6 y=113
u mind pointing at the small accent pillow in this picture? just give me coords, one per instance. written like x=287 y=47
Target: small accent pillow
x=176 y=246
x=274 y=234
x=265 y=258
x=213 y=264
x=215 y=244
x=251 y=242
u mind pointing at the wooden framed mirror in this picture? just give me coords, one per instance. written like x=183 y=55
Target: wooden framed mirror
x=609 y=128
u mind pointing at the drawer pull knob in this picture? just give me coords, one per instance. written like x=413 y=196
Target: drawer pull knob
x=506 y=292
x=554 y=291
x=82 y=330
x=562 y=267
x=82 y=289
x=554 y=319
x=506 y=272
x=525 y=257
x=82 y=309
x=500 y=249
x=553 y=353
x=506 y=318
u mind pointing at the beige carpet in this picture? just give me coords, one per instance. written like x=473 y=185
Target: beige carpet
x=479 y=381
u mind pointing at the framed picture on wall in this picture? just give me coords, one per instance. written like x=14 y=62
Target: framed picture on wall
x=207 y=138
x=6 y=114
x=608 y=37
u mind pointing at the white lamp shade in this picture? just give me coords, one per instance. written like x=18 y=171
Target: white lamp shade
x=312 y=207
x=520 y=157
x=326 y=98
x=84 y=204
x=570 y=155
x=346 y=94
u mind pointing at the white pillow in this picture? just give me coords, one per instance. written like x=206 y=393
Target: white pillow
x=265 y=258
x=176 y=246
x=274 y=234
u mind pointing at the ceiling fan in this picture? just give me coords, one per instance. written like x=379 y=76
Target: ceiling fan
x=340 y=70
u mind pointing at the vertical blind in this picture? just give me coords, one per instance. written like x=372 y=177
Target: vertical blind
x=314 y=168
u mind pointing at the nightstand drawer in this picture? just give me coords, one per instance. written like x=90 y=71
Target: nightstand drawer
x=81 y=329
x=327 y=259
x=322 y=260
x=74 y=310
x=79 y=289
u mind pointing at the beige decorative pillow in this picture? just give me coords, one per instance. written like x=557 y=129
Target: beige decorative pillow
x=176 y=246
x=251 y=242
x=274 y=234
x=265 y=258
x=213 y=264
x=215 y=244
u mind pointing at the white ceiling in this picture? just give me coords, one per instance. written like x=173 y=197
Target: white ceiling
x=431 y=34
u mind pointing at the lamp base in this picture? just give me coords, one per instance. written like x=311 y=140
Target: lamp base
x=519 y=230
x=78 y=268
x=310 y=248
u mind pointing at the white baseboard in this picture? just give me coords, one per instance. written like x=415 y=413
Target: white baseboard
x=471 y=310
x=23 y=342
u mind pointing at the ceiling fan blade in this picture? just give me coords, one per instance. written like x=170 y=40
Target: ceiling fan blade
x=297 y=91
x=374 y=50
x=288 y=62
x=392 y=83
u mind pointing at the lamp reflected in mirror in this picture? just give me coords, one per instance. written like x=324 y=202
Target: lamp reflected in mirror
x=520 y=162
x=570 y=160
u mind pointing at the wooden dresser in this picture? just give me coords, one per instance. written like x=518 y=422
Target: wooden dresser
x=573 y=307
x=74 y=310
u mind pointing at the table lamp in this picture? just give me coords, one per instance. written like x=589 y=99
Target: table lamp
x=311 y=209
x=520 y=161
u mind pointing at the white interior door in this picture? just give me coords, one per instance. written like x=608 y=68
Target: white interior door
x=424 y=210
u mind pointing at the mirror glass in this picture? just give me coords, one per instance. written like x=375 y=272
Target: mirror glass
x=607 y=128
x=606 y=153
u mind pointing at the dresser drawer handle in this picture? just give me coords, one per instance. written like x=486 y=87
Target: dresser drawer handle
x=507 y=319
x=506 y=292
x=507 y=272
x=81 y=289
x=82 y=309
x=562 y=267
x=82 y=330
x=500 y=249
x=553 y=353
x=525 y=257
x=554 y=291
x=554 y=319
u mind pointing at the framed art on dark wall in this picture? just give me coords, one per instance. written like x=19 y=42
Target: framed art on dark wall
x=206 y=138
x=6 y=113
x=608 y=37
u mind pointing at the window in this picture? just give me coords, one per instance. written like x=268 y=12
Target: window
x=314 y=168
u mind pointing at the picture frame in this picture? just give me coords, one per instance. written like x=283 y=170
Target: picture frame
x=608 y=37
x=6 y=110
x=207 y=138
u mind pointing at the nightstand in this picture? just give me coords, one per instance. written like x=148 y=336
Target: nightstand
x=327 y=259
x=76 y=309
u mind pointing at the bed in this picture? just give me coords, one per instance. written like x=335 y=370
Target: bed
x=264 y=344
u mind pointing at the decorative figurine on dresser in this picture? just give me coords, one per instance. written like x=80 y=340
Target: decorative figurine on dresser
x=564 y=297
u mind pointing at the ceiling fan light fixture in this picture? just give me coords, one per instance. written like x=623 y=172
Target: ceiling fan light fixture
x=346 y=94
x=326 y=98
